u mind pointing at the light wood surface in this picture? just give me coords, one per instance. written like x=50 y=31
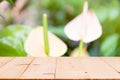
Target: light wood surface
x=40 y=68
x=61 y=68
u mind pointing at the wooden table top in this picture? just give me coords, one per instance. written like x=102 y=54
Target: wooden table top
x=107 y=68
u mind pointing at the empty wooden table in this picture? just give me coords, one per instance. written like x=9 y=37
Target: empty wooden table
x=76 y=68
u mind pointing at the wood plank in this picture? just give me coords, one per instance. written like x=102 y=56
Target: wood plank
x=114 y=62
x=70 y=68
x=97 y=69
x=14 y=68
x=5 y=60
x=41 y=68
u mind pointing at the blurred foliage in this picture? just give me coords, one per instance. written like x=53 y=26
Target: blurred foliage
x=60 y=12
x=12 y=2
x=108 y=12
x=12 y=40
x=110 y=45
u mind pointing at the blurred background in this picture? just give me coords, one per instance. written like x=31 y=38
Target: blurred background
x=60 y=12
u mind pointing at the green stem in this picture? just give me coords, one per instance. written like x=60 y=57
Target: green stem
x=80 y=48
x=45 y=30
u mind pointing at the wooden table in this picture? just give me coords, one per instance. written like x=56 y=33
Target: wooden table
x=60 y=68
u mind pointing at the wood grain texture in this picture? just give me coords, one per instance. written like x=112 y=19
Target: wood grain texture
x=41 y=68
x=97 y=69
x=70 y=68
x=4 y=60
x=84 y=68
x=14 y=68
x=113 y=62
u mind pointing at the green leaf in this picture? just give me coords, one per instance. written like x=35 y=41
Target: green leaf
x=11 y=2
x=12 y=40
x=59 y=31
x=109 y=45
x=1 y=0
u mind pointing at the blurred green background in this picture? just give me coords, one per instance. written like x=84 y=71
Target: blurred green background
x=60 y=12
